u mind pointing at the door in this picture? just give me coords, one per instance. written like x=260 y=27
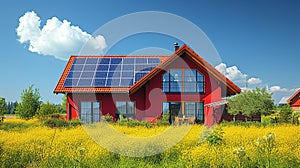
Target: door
x=175 y=111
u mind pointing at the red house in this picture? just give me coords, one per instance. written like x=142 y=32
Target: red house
x=183 y=85
x=294 y=100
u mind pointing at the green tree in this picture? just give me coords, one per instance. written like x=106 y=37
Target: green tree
x=286 y=113
x=30 y=102
x=3 y=106
x=62 y=108
x=45 y=110
x=251 y=102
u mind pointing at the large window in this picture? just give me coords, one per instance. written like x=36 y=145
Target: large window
x=90 y=112
x=178 y=80
x=127 y=109
x=190 y=110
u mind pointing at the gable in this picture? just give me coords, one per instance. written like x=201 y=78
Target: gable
x=294 y=99
x=188 y=53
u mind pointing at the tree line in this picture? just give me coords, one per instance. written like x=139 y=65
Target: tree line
x=259 y=102
x=30 y=105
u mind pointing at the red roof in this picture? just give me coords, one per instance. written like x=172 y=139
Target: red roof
x=293 y=96
x=165 y=60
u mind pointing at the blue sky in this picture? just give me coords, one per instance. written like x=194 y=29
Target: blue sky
x=257 y=39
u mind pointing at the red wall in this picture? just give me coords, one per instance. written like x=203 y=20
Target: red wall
x=150 y=97
x=295 y=103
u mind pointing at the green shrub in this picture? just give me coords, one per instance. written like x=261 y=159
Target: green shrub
x=74 y=123
x=216 y=136
x=108 y=118
x=47 y=110
x=163 y=120
x=56 y=123
x=131 y=122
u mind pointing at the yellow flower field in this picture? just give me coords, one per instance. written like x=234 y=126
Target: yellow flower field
x=29 y=144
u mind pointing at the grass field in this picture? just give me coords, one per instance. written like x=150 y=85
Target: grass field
x=29 y=144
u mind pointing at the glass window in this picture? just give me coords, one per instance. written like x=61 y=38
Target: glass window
x=166 y=82
x=130 y=107
x=121 y=107
x=200 y=112
x=90 y=112
x=175 y=80
x=200 y=82
x=127 y=109
x=96 y=111
x=189 y=109
x=188 y=80
x=166 y=109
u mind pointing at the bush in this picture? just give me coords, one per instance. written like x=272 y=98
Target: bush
x=131 y=122
x=108 y=118
x=52 y=122
x=216 y=136
x=47 y=110
x=163 y=120
x=74 y=123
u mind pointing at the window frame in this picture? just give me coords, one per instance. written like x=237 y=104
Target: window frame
x=89 y=111
x=167 y=82
x=127 y=108
x=183 y=109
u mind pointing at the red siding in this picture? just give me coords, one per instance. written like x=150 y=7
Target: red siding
x=149 y=98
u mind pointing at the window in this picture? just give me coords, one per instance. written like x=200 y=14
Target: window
x=127 y=109
x=188 y=81
x=90 y=112
x=175 y=80
x=200 y=112
x=166 y=108
x=189 y=109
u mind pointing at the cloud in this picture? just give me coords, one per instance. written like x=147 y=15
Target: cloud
x=234 y=74
x=57 y=38
x=281 y=94
x=278 y=89
x=254 y=81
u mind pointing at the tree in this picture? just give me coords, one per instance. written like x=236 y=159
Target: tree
x=3 y=106
x=251 y=102
x=46 y=109
x=30 y=102
x=286 y=113
x=61 y=108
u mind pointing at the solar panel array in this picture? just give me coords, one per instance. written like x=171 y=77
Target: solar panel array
x=108 y=72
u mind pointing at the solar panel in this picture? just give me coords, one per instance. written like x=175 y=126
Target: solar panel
x=108 y=72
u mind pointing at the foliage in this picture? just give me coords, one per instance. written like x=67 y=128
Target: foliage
x=30 y=102
x=266 y=146
x=3 y=106
x=251 y=102
x=241 y=156
x=61 y=108
x=131 y=122
x=56 y=122
x=108 y=118
x=11 y=107
x=286 y=113
x=215 y=136
x=46 y=110
x=72 y=147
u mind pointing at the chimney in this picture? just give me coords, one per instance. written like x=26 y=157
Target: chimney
x=176 y=46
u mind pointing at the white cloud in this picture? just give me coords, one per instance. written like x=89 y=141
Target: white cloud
x=278 y=89
x=57 y=38
x=254 y=81
x=234 y=74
